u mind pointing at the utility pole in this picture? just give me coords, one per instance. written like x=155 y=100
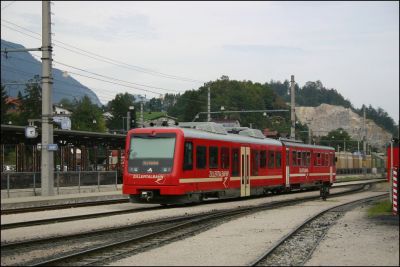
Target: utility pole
x=141 y=114
x=47 y=163
x=128 y=121
x=309 y=130
x=292 y=108
x=208 y=105
x=364 y=170
x=391 y=172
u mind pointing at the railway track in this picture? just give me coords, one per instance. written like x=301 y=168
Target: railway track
x=64 y=206
x=296 y=248
x=74 y=218
x=88 y=204
x=99 y=215
x=102 y=246
x=91 y=216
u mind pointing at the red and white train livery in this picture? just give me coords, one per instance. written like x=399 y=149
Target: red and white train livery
x=170 y=165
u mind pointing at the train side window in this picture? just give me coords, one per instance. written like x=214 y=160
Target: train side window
x=235 y=162
x=271 y=159
x=225 y=158
x=299 y=159
x=213 y=157
x=294 y=158
x=278 y=159
x=188 y=156
x=304 y=158
x=201 y=157
x=263 y=159
x=318 y=159
x=254 y=162
x=308 y=158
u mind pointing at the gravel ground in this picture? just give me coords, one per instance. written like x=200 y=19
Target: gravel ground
x=23 y=233
x=237 y=242
x=234 y=243
x=360 y=240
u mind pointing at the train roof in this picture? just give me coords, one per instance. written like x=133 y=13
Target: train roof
x=203 y=134
x=220 y=135
x=194 y=133
x=290 y=144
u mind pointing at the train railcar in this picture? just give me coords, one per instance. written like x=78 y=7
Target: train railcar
x=170 y=165
x=310 y=165
x=354 y=163
x=392 y=158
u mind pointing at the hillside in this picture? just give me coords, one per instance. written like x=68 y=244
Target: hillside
x=313 y=94
x=325 y=118
x=22 y=66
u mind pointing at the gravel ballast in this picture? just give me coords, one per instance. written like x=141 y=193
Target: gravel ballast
x=237 y=242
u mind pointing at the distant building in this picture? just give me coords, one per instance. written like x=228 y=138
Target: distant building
x=156 y=119
x=107 y=115
x=59 y=110
x=14 y=104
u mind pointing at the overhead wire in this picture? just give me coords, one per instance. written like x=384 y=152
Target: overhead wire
x=116 y=62
x=115 y=79
x=12 y=2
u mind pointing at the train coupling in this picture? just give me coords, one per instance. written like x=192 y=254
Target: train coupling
x=147 y=195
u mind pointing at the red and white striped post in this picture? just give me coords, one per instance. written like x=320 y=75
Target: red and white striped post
x=394 y=198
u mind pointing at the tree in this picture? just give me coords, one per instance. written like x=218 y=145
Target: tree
x=154 y=105
x=4 y=106
x=118 y=107
x=67 y=104
x=87 y=116
x=31 y=102
x=380 y=117
x=339 y=138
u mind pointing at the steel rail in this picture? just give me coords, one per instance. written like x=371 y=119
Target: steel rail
x=64 y=206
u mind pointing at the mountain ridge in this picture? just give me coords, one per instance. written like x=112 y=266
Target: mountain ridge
x=325 y=118
x=21 y=67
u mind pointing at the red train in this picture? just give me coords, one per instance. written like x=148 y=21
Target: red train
x=170 y=165
x=392 y=164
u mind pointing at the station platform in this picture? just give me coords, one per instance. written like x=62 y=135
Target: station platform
x=72 y=198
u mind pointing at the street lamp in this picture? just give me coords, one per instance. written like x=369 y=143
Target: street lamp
x=130 y=118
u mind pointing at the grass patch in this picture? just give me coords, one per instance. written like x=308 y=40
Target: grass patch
x=381 y=208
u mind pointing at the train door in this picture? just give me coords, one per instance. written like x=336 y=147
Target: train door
x=244 y=171
x=287 y=171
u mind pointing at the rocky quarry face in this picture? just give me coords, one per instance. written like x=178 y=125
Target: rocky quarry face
x=325 y=118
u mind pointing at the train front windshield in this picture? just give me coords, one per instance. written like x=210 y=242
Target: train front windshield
x=151 y=153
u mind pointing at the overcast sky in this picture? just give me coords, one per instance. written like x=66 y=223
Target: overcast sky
x=352 y=47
